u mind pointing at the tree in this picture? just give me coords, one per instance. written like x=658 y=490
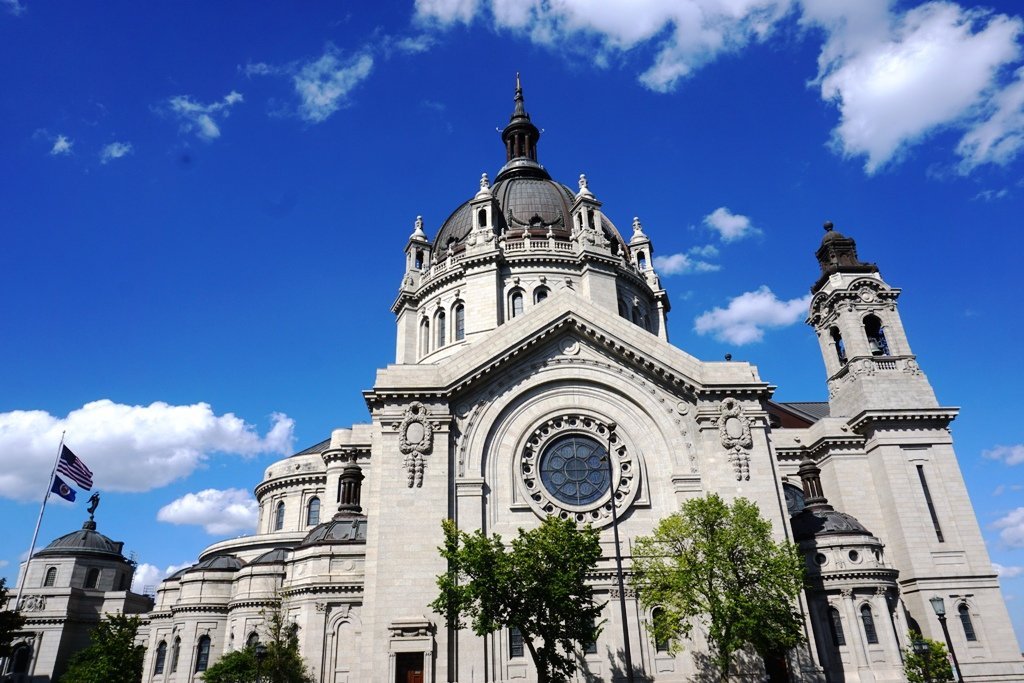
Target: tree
x=10 y=621
x=717 y=564
x=112 y=657
x=538 y=586
x=930 y=665
x=282 y=663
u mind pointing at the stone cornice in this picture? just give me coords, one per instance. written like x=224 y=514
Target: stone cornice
x=288 y=481
x=199 y=609
x=333 y=589
x=938 y=417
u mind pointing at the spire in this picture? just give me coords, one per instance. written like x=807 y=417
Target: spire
x=520 y=135
x=838 y=254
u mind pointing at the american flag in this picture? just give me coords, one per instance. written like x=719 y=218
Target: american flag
x=71 y=466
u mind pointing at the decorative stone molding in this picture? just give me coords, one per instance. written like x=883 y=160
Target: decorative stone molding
x=734 y=434
x=625 y=479
x=33 y=603
x=415 y=440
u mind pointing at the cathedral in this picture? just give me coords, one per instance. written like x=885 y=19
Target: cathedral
x=532 y=346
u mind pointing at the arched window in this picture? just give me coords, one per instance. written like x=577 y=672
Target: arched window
x=253 y=640
x=439 y=321
x=876 y=336
x=517 y=303
x=418 y=260
x=515 y=642
x=590 y=218
x=92 y=577
x=161 y=657
x=835 y=627
x=641 y=260
x=460 y=322
x=51 y=577
x=424 y=337
x=840 y=346
x=313 y=512
x=622 y=309
x=636 y=315
x=175 y=651
x=21 y=658
x=540 y=294
x=279 y=517
x=965 y=620
x=481 y=218
x=203 y=653
x=869 y=624
x=660 y=644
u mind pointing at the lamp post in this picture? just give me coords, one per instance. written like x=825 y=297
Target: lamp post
x=261 y=654
x=627 y=653
x=939 y=605
x=924 y=650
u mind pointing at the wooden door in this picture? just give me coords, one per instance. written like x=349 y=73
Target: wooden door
x=409 y=667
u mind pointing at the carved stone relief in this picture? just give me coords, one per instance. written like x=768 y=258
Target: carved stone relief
x=415 y=440
x=33 y=603
x=734 y=434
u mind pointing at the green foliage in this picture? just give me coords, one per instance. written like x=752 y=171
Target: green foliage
x=112 y=657
x=930 y=666
x=538 y=586
x=718 y=564
x=282 y=663
x=10 y=621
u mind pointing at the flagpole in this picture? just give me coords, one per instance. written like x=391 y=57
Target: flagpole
x=39 y=521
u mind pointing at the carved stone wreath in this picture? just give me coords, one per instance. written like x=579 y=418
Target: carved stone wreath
x=415 y=440
x=625 y=482
x=734 y=433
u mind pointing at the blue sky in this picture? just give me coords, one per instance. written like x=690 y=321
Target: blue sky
x=204 y=207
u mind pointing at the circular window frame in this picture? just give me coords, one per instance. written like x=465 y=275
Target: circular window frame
x=625 y=481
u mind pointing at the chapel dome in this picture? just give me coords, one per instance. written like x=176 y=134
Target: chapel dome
x=85 y=541
x=340 y=530
x=811 y=523
x=217 y=563
x=275 y=556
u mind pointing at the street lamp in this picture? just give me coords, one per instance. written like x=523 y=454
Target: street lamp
x=924 y=651
x=939 y=605
x=618 y=557
x=261 y=654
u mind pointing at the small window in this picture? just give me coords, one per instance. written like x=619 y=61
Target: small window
x=161 y=657
x=424 y=337
x=869 y=625
x=253 y=640
x=418 y=260
x=92 y=577
x=965 y=620
x=203 y=653
x=175 y=651
x=51 y=577
x=481 y=218
x=540 y=294
x=660 y=644
x=590 y=218
x=517 y=303
x=876 y=336
x=439 y=320
x=460 y=322
x=837 y=338
x=641 y=260
x=21 y=658
x=835 y=626
x=515 y=642
x=313 y=512
x=279 y=517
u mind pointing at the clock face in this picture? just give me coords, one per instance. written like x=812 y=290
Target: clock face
x=794 y=498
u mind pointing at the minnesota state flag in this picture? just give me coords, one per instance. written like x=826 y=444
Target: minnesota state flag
x=63 y=490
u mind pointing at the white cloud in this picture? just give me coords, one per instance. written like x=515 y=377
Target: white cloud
x=678 y=264
x=13 y=6
x=61 y=146
x=447 y=11
x=991 y=195
x=201 y=118
x=749 y=315
x=1011 y=455
x=128 y=448
x=149 y=575
x=324 y=84
x=1012 y=528
x=258 y=69
x=1007 y=572
x=218 y=512
x=705 y=251
x=999 y=138
x=730 y=226
x=897 y=78
x=115 y=150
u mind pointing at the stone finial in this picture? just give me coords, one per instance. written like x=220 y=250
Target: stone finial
x=584 y=188
x=418 y=232
x=638 y=229
x=485 y=187
x=828 y=226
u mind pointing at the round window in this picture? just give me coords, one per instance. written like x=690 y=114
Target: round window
x=573 y=469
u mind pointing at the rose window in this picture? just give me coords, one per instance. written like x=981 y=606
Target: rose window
x=574 y=469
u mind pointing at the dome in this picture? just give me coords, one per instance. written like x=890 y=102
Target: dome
x=275 y=556
x=85 y=541
x=339 y=530
x=176 y=576
x=528 y=199
x=812 y=522
x=217 y=563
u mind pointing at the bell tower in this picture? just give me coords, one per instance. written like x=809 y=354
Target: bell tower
x=867 y=357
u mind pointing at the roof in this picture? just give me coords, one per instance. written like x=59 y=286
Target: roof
x=316 y=449
x=85 y=541
x=275 y=556
x=813 y=410
x=822 y=521
x=341 y=530
x=217 y=563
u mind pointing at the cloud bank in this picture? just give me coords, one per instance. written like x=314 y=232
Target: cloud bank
x=219 y=512
x=748 y=315
x=128 y=448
